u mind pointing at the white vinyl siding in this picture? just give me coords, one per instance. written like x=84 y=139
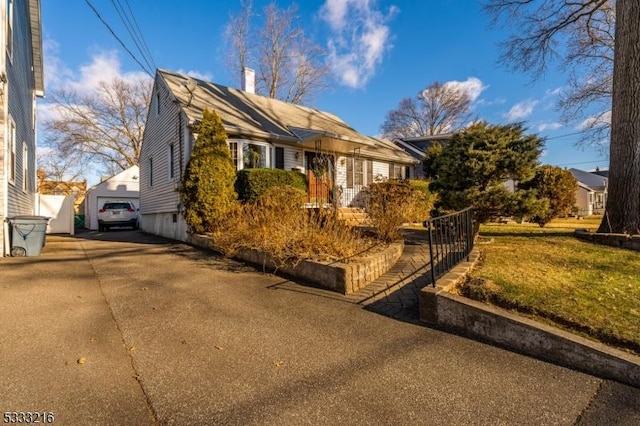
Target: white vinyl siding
x=380 y=170
x=12 y=163
x=290 y=160
x=25 y=167
x=157 y=188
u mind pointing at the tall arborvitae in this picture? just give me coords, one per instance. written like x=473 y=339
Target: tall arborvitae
x=207 y=189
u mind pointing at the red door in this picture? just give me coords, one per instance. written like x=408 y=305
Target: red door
x=319 y=173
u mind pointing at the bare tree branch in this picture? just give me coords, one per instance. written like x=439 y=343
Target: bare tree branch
x=290 y=67
x=580 y=34
x=439 y=108
x=587 y=26
x=104 y=126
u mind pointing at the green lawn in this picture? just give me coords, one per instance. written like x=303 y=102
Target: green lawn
x=551 y=275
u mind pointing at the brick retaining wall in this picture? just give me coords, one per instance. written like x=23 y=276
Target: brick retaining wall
x=341 y=277
x=631 y=242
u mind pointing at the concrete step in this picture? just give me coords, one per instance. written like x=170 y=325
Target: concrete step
x=353 y=216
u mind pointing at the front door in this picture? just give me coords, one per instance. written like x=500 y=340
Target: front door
x=320 y=176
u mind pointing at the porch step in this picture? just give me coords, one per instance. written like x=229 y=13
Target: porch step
x=353 y=216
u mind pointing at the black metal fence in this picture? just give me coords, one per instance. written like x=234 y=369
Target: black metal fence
x=450 y=241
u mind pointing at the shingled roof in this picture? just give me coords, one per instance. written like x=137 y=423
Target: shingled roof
x=247 y=114
x=590 y=180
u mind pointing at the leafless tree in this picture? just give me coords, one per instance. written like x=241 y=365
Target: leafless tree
x=290 y=67
x=239 y=45
x=543 y=25
x=439 y=108
x=58 y=167
x=580 y=35
x=104 y=127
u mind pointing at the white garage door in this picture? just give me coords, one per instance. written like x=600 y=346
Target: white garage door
x=93 y=220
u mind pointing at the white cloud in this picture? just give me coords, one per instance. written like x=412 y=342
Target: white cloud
x=554 y=92
x=521 y=110
x=55 y=71
x=472 y=85
x=206 y=76
x=334 y=13
x=359 y=37
x=549 y=126
x=491 y=102
x=594 y=120
x=102 y=66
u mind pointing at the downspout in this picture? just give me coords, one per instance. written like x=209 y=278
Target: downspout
x=182 y=153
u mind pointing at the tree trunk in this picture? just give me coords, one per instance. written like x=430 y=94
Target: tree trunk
x=622 y=213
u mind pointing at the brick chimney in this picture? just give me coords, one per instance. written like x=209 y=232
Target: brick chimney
x=248 y=80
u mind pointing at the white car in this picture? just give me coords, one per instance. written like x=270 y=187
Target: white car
x=117 y=213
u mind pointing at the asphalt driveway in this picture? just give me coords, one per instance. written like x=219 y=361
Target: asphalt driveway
x=126 y=328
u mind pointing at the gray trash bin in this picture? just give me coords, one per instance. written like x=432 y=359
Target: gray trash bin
x=28 y=234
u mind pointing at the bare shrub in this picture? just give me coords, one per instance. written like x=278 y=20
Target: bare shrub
x=278 y=224
x=393 y=202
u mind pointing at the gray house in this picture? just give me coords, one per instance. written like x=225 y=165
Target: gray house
x=262 y=133
x=21 y=81
x=416 y=147
x=591 y=196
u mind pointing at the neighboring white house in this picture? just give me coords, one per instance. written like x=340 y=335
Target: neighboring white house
x=21 y=82
x=591 y=196
x=125 y=186
x=262 y=133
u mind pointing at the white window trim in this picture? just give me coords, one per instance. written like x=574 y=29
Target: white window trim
x=25 y=167
x=242 y=142
x=12 y=136
x=9 y=29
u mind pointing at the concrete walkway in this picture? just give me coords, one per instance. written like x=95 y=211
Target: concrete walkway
x=396 y=293
x=125 y=328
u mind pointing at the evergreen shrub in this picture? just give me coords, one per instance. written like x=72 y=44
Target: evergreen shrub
x=252 y=183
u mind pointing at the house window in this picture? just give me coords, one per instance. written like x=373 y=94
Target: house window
x=279 y=157
x=359 y=172
x=10 y=28
x=396 y=171
x=25 y=167
x=172 y=161
x=233 y=147
x=12 y=151
x=157 y=103
x=250 y=154
x=150 y=171
x=254 y=155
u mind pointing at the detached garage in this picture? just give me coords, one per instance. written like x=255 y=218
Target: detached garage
x=124 y=186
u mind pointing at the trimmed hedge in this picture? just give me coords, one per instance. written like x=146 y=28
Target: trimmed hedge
x=251 y=183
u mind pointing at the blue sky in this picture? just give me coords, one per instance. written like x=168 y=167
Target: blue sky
x=408 y=45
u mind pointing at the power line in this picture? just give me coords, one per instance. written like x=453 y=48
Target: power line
x=583 y=162
x=118 y=38
x=136 y=36
x=563 y=136
x=144 y=43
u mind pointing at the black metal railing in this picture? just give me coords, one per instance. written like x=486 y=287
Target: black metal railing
x=450 y=241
